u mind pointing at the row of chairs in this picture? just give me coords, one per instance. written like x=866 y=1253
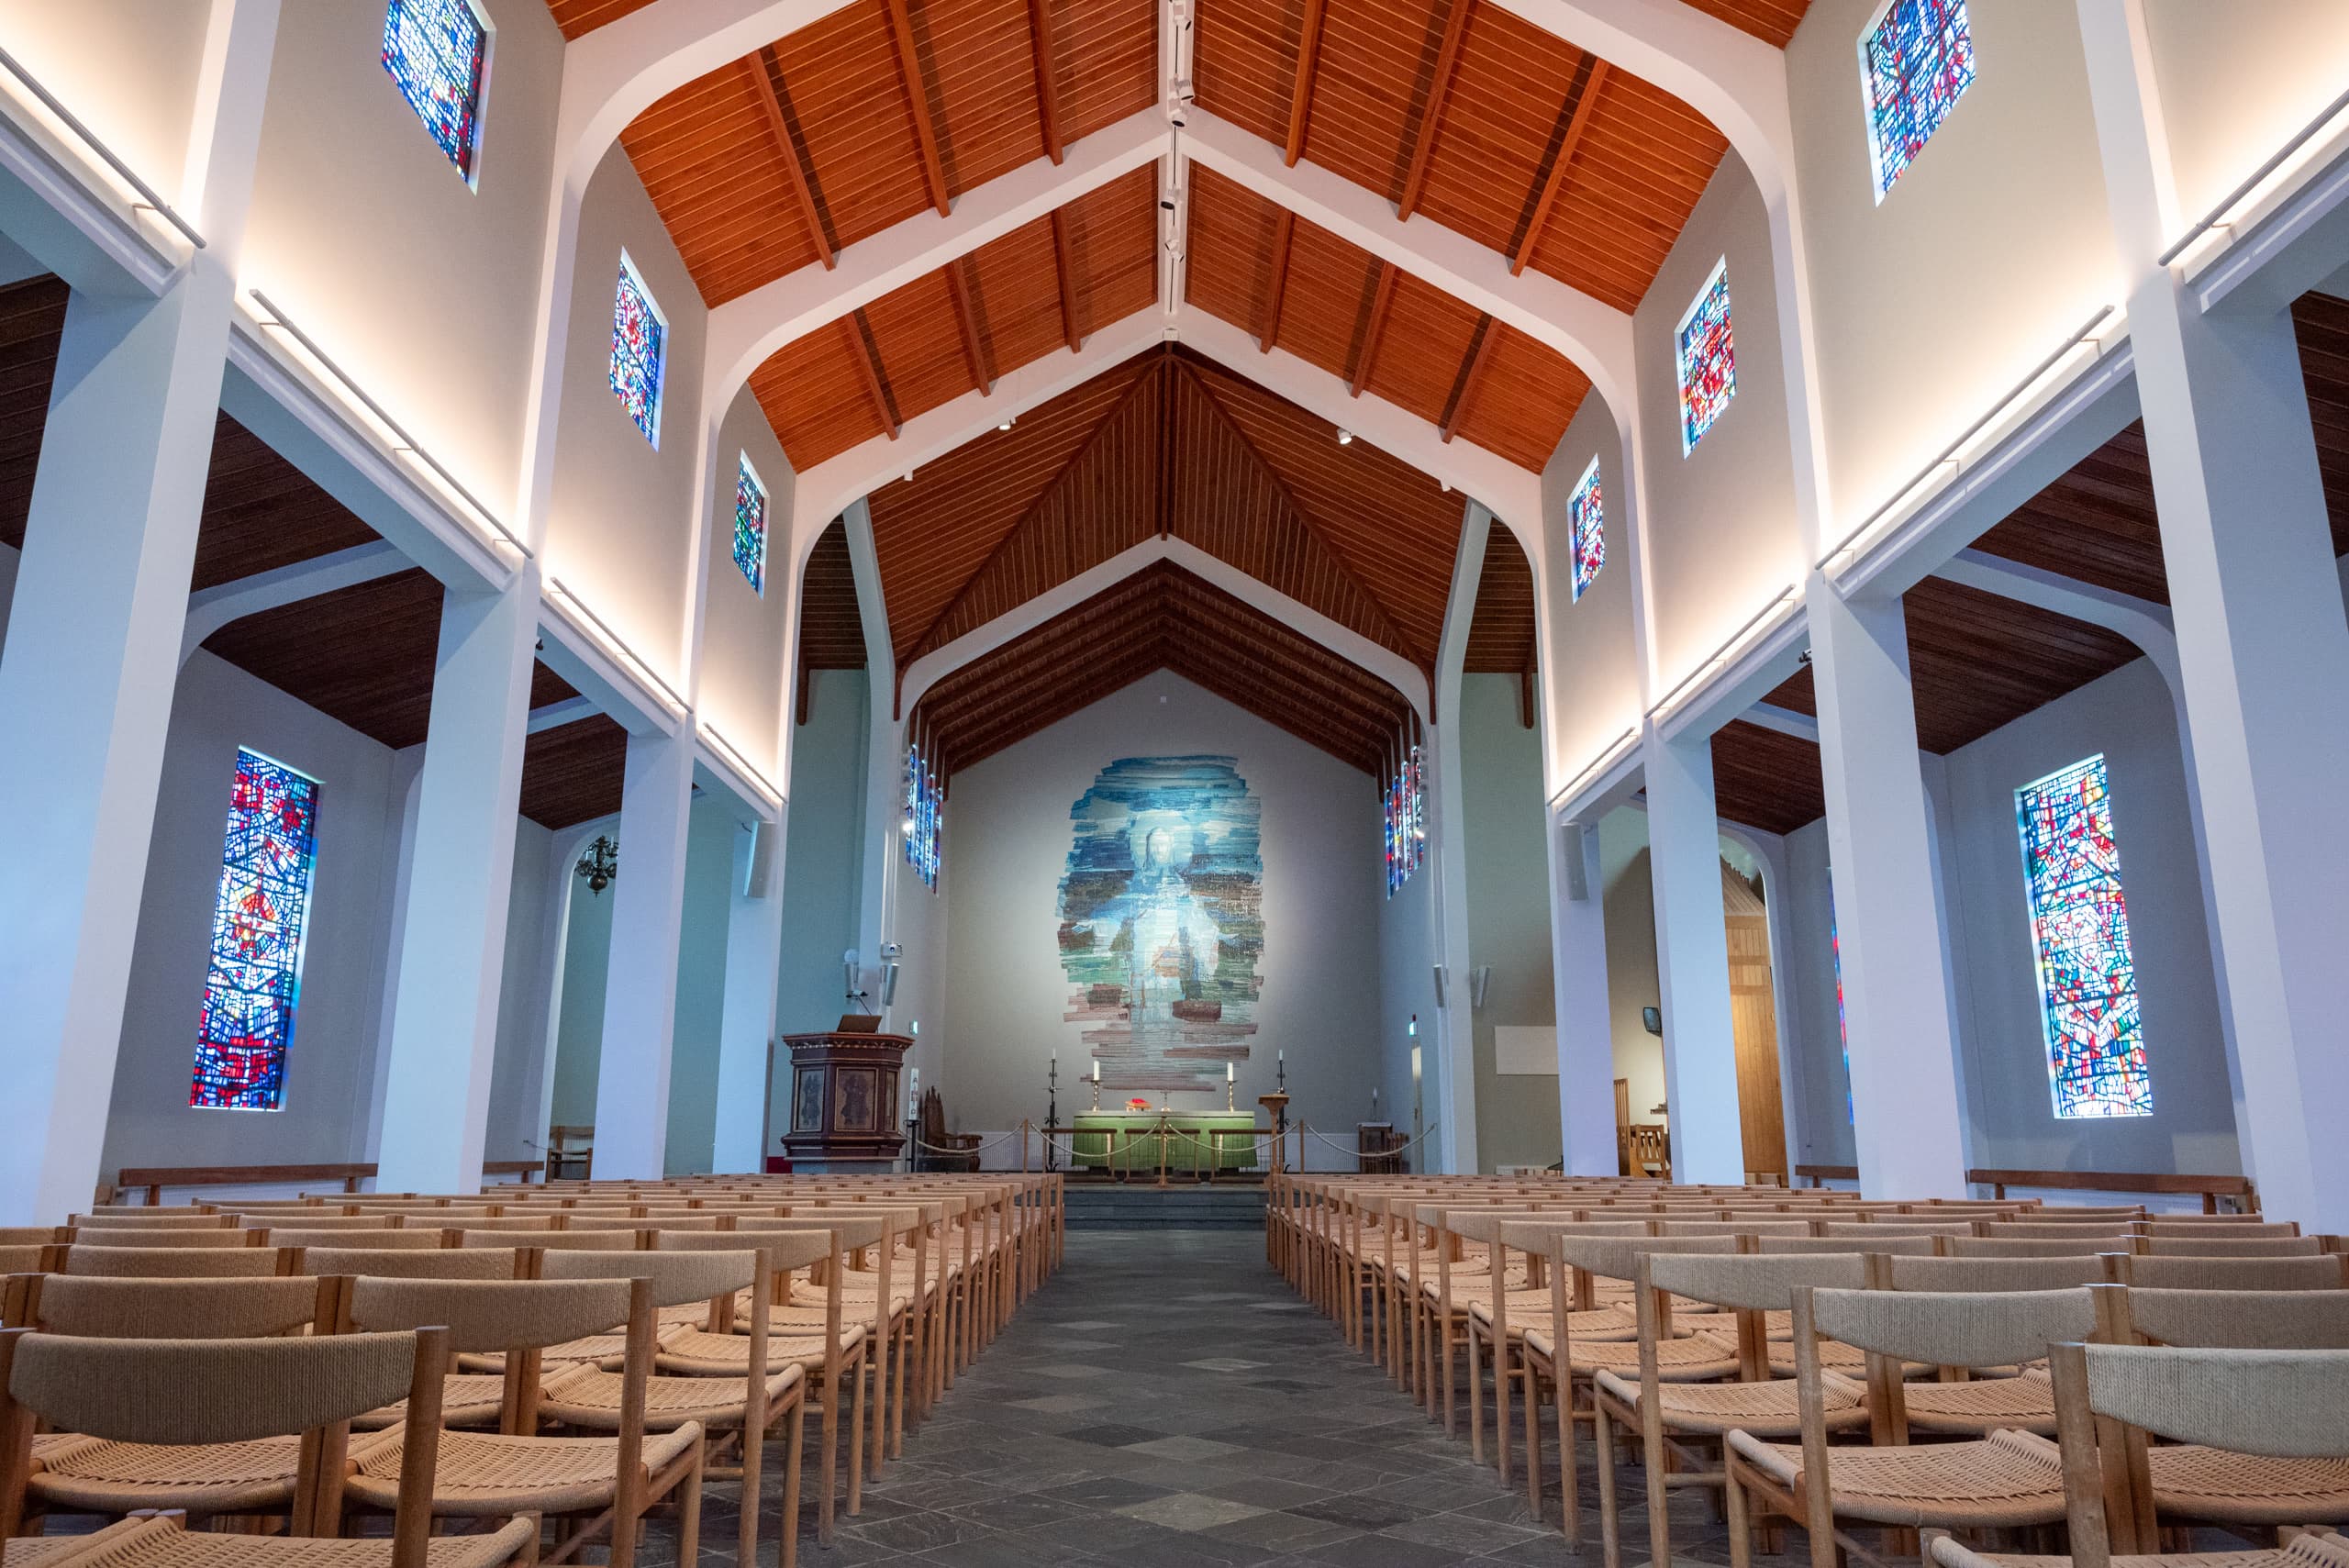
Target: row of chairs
x=1900 y=1371
x=596 y=1360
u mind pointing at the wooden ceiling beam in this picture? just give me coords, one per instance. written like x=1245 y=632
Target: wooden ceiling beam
x=1048 y=93
x=966 y=320
x=766 y=77
x=1064 y=265
x=1430 y=121
x=1471 y=376
x=1283 y=230
x=1578 y=114
x=862 y=349
x=1300 y=100
x=1381 y=302
x=901 y=30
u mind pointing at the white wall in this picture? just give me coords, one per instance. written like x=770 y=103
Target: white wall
x=1407 y=949
x=742 y=687
x=1007 y=847
x=424 y=289
x=2238 y=81
x=1590 y=646
x=1629 y=889
x=579 y=1013
x=1986 y=254
x=620 y=527
x=701 y=982
x=1508 y=916
x=1722 y=539
x=126 y=68
x=822 y=864
x=1822 y=1118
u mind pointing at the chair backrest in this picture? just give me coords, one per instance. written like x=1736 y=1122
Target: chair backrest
x=320 y=1219
x=169 y=1262
x=1751 y=1283
x=2059 y=1229
x=212 y=1390
x=485 y=1316
x=555 y=1241
x=678 y=1277
x=27 y=1259
x=2237 y=1319
x=176 y=1308
x=433 y=1262
x=1772 y=1227
x=2329 y=1272
x=1966 y=1328
x=153 y=1219
x=2277 y=1404
x=30 y=1235
x=1894 y=1244
x=2245 y=1225
x=1873 y=1230
x=1617 y=1257
x=2163 y=1245
x=423 y=1238
x=1978 y=1275
x=170 y=1236
x=784 y=1249
x=2087 y=1245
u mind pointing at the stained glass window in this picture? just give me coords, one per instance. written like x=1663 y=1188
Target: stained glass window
x=2079 y=937
x=1915 y=60
x=1707 y=359
x=257 y=923
x=1842 y=1031
x=750 y=525
x=925 y=818
x=1407 y=821
x=435 y=50
x=639 y=334
x=1587 y=522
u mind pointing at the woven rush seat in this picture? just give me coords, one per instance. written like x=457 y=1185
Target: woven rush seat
x=172 y=1548
x=1772 y=1407
x=2311 y=1550
x=2194 y=1481
x=467 y=1400
x=1984 y=1405
x=595 y=1349
x=703 y=1355
x=2007 y=1478
x=485 y=1472
x=1699 y=1356
x=100 y=1476
x=1530 y=1311
x=590 y=1397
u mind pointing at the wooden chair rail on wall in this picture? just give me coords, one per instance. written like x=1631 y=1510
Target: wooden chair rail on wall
x=155 y=1178
x=2211 y=1188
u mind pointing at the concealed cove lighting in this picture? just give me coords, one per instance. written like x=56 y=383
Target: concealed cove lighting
x=1345 y=438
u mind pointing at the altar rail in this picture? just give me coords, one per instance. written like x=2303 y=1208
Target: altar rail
x=155 y=1178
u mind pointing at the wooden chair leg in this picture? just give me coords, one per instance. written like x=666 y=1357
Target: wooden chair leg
x=689 y=1507
x=1611 y=1544
x=856 y=1431
x=1500 y=1404
x=1740 y=1533
x=754 y=1449
x=793 y=1449
x=1532 y=1441
x=1476 y=1396
x=1658 y=1463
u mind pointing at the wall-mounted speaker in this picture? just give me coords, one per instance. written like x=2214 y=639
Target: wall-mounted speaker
x=1480 y=980
x=1570 y=845
x=1438 y=985
x=757 y=876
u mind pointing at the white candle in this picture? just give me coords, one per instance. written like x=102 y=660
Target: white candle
x=1226 y=1073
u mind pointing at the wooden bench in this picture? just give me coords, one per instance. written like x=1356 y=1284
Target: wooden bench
x=155 y=1178
x=1818 y=1175
x=2211 y=1188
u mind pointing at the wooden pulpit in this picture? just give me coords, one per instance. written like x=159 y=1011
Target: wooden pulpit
x=844 y=1099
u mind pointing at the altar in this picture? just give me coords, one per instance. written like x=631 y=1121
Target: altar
x=1130 y=1141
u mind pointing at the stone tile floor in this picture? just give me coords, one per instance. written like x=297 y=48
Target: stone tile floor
x=1166 y=1401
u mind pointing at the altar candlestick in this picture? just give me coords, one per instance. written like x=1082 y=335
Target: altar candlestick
x=1228 y=1073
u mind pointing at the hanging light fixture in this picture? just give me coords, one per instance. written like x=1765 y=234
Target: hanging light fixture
x=601 y=864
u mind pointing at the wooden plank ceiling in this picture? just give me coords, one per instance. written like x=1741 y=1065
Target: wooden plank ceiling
x=1161 y=618
x=1167 y=444
x=831 y=632
x=1502 y=637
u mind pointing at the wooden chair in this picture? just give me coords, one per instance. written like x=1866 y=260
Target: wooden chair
x=597 y=1486
x=169 y=1263
x=467 y=1398
x=571 y=1153
x=591 y=1399
x=298 y=1393
x=2005 y=1480
x=2286 y=1407
x=946 y=1150
x=2329 y=1272
x=170 y=1236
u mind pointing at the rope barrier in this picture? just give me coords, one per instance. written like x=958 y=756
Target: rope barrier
x=973 y=1148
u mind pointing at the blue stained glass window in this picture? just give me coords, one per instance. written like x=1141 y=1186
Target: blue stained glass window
x=435 y=50
x=259 y=919
x=750 y=525
x=1916 y=60
x=1707 y=359
x=1842 y=1032
x=925 y=818
x=640 y=336
x=1586 y=521
x=1407 y=820
x=2079 y=937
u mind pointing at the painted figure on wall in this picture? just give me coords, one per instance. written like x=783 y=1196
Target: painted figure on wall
x=1161 y=920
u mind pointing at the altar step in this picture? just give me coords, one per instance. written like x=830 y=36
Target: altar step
x=1108 y=1205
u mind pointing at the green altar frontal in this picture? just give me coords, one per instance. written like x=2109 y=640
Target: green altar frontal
x=1124 y=1140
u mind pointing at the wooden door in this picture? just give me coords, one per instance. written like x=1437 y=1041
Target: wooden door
x=1623 y=1125
x=1754 y=1018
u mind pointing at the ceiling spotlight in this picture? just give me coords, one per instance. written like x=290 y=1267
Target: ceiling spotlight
x=1345 y=438
x=909 y=477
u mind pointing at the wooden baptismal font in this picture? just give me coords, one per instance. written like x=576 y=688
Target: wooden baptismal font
x=844 y=1098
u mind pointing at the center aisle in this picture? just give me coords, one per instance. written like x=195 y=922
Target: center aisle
x=1165 y=1400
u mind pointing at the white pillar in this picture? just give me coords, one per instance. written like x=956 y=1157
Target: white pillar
x=1455 y=1033
x=1692 y=960
x=93 y=643
x=1907 y=1121
x=2262 y=644
x=452 y=947
x=746 y=1029
x=1586 y=1031
x=640 y=987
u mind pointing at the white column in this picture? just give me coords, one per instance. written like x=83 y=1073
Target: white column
x=1907 y=1119
x=746 y=1028
x=1586 y=1031
x=2262 y=644
x=93 y=644
x=1692 y=960
x=452 y=947
x=641 y=988
x=1455 y=1033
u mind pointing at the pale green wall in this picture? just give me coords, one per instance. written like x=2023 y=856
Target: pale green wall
x=1508 y=916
